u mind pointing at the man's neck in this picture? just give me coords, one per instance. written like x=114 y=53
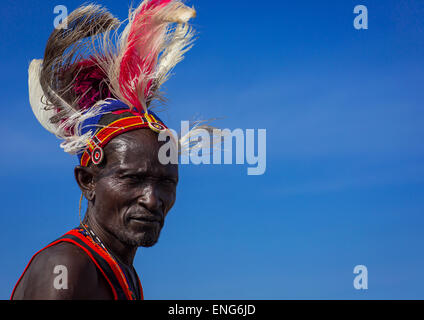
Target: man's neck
x=123 y=252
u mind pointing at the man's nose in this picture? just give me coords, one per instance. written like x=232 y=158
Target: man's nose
x=151 y=199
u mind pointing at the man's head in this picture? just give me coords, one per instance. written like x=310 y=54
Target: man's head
x=130 y=192
x=92 y=91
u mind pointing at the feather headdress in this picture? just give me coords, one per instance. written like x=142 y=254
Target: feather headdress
x=89 y=65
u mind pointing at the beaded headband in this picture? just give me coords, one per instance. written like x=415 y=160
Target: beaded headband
x=118 y=118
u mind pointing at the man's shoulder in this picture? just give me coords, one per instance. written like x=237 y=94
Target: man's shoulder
x=61 y=271
x=64 y=255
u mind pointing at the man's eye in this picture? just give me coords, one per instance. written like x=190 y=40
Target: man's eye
x=169 y=181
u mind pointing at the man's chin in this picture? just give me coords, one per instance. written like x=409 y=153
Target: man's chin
x=147 y=244
x=145 y=239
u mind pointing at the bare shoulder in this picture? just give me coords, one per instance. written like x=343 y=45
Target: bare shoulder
x=61 y=272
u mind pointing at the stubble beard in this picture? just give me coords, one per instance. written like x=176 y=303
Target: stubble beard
x=146 y=239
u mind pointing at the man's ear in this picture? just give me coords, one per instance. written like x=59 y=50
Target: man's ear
x=85 y=180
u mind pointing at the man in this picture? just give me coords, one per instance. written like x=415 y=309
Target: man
x=129 y=198
x=99 y=106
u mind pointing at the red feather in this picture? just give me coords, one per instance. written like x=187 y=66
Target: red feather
x=141 y=53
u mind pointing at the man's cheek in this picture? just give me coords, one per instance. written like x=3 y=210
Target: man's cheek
x=171 y=202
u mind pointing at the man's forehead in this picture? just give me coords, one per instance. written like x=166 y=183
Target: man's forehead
x=141 y=142
x=135 y=150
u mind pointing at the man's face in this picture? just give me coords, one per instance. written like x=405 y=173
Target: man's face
x=133 y=190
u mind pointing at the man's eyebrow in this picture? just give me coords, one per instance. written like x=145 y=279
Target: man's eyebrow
x=145 y=172
x=119 y=170
x=123 y=170
x=104 y=173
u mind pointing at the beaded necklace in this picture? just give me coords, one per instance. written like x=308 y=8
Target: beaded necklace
x=99 y=242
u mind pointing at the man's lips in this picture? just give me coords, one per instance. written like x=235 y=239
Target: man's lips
x=146 y=218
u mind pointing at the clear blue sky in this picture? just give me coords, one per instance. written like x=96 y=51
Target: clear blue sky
x=344 y=183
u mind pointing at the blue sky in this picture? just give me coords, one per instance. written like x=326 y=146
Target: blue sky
x=345 y=173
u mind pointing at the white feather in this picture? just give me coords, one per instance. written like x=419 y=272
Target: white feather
x=190 y=141
x=36 y=97
x=77 y=142
x=73 y=143
x=179 y=13
x=175 y=49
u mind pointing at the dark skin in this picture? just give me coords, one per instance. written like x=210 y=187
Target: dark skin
x=129 y=195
